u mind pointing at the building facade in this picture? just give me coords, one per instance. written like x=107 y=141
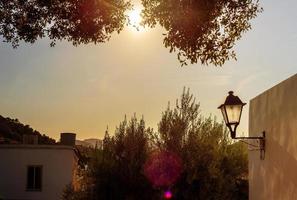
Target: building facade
x=275 y=112
x=36 y=172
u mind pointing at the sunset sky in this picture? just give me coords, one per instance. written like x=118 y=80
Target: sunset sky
x=83 y=89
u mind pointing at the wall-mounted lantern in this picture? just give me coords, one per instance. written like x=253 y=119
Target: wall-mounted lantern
x=231 y=111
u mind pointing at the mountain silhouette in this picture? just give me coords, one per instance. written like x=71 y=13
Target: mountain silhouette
x=12 y=131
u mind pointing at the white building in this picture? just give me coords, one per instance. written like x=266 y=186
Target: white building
x=275 y=112
x=37 y=172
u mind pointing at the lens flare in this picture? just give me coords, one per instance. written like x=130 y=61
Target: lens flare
x=163 y=168
x=167 y=194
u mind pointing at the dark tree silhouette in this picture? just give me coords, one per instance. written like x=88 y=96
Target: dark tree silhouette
x=199 y=30
x=204 y=30
x=78 y=21
x=213 y=166
x=12 y=130
x=190 y=156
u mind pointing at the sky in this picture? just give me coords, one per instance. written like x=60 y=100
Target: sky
x=87 y=88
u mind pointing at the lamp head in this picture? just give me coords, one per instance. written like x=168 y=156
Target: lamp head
x=231 y=111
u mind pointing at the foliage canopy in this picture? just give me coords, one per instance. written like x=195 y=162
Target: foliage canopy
x=78 y=21
x=199 y=30
x=204 y=30
x=195 y=150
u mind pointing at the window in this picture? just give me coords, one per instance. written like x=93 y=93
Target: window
x=34 y=178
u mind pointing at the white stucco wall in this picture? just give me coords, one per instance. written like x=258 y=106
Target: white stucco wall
x=57 y=170
x=275 y=112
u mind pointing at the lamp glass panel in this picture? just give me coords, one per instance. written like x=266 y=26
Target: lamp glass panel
x=233 y=113
x=232 y=127
x=224 y=114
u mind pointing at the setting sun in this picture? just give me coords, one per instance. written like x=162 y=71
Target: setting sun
x=128 y=99
x=135 y=19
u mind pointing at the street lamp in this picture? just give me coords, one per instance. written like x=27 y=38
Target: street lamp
x=231 y=111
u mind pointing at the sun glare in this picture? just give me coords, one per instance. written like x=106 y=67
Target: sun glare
x=135 y=20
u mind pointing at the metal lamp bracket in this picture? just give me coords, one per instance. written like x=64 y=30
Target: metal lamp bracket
x=260 y=144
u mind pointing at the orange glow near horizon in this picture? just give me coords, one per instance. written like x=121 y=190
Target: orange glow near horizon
x=85 y=88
